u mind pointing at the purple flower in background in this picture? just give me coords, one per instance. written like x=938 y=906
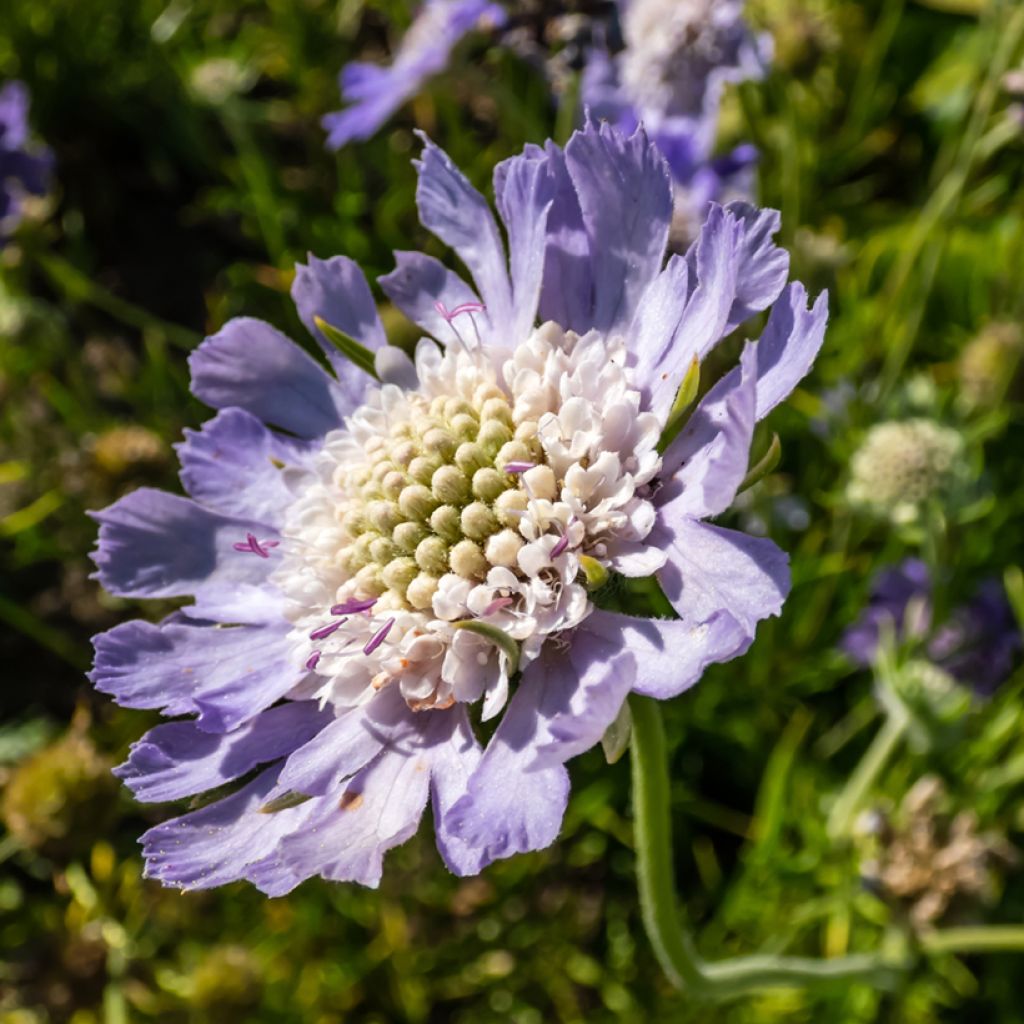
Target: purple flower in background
x=374 y=93
x=977 y=644
x=23 y=169
x=677 y=59
x=370 y=558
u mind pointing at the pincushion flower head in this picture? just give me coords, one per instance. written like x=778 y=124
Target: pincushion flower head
x=382 y=556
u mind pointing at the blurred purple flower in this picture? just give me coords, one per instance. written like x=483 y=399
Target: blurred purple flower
x=368 y=559
x=24 y=169
x=678 y=57
x=977 y=645
x=374 y=93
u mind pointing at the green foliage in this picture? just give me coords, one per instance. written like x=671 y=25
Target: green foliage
x=191 y=175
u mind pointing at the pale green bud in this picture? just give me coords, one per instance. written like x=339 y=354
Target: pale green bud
x=478 y=521
x=513 y=451
x=493 y=434
x=488 y=483
x=467 y=560
x=470 y=457
x=399 y=573
x=403 y=453
x=432 y=556
x=407 y=535
x=464 y=427
x=446 y=522
x=393 y=483
x=423 y=467
x=382 y=550
x=416 y=502
x=439 y=441
x=384 y=516
x=508 y=506
x=458 y=407
x=496 y=409
x=540 y=482
x=450 y=486
x=370 y=581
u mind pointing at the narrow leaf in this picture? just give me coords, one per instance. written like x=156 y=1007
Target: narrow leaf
x=765 y=465
x=283 y=802
x=684 y=399
x=616 y=737
x=355 y=353
x=596 y=573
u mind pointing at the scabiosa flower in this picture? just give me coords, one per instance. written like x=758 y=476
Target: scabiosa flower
x=670 y=75
x=24 y=169
x=373 y=561
x=374 y=93
x=977 y=645
x=902 y=465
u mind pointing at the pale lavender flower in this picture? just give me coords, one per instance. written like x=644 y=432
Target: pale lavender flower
x=24 y=168
x=374 y=93
x=977 y=644
x=369 y=560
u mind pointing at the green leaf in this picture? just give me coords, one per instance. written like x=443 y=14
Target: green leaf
x=498 y=637
x=596 y=573
x=684 y=399
x=765 y=465
x=357 y=354
x=615 y=740
x=284 y=802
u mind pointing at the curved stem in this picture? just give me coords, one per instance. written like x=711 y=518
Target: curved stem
x=673 y=945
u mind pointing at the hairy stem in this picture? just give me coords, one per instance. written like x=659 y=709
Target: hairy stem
x=673 y=945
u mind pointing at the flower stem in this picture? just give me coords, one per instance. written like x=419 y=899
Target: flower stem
x=978 y=939
x=673 y=945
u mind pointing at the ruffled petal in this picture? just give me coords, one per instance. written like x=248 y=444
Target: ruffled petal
x=346 y=834
x=155 y=544
x=511 y=805
x=707 y=462
x=671 y=654
x=218 y=843
x=524 y=195
x=711 y=569
x=253 y=366
x=711 y=291
x=457 y=214
x=419 y=283
x=236 y=466
x=789 y=345
x=178 y=759
x=763 y=266
x=625 y=195
x=182 y=667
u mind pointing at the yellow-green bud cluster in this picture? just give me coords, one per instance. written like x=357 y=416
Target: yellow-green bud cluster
x=433 y=497
x=901 y=465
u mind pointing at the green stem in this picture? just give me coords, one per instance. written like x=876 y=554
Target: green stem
x=864 y=776
x=663 y=921
x=979 y=939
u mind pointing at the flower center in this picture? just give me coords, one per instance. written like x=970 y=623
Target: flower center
x=438 y=541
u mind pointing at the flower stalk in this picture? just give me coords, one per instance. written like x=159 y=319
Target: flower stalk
x=663 y=920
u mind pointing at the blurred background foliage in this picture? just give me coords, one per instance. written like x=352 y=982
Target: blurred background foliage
x=190 y=175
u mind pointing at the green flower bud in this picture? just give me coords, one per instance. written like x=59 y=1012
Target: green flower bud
x=513 y=451
x=407 y=535
x=464 y=427
x=493 y=434
x=467 y=560
x=488 y=483
x=423 y=468
x=470 y=457
x=382 y=550
x=398 y=574
x=403 y=453
x=369 y=581
x=393 y=483
x=446 y=522
x=416 y=502
x=383 y=516
x=496 y=409
x=458 y=407
x=478 y=521
x=439 y=441
x=450 y=486
x=432 y=556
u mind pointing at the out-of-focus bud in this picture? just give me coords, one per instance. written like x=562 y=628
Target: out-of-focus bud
x=121 y=450
x=988 y=368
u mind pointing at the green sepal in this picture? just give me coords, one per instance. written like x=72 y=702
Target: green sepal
x=596 y=573
x=358 y=355
x=498 y=637
x=765 y=465
x=684 y=399
x=283 y=802
x=615 y=740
